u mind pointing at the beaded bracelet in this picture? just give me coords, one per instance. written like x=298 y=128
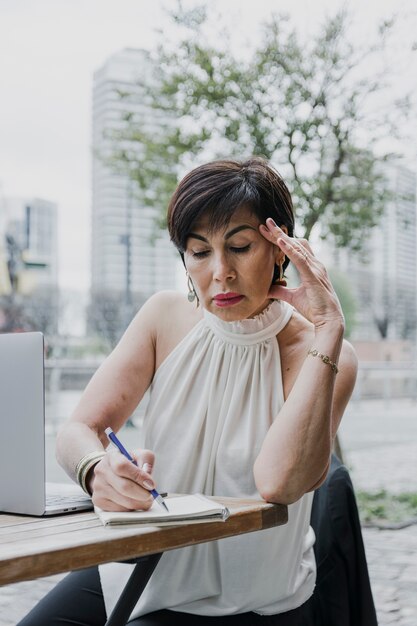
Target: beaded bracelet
x=324 y=358
x=85 y=464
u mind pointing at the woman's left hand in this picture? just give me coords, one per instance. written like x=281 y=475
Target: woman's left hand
x=315 y=297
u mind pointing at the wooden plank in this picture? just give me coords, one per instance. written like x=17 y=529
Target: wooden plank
x=22 y=523
x=32 y=543
x=74 y=546
x=48 y=530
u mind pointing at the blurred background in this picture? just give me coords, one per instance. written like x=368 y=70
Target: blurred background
x=104 y=108
x=105 y=105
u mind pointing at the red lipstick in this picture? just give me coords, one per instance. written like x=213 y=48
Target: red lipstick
x=227 y=299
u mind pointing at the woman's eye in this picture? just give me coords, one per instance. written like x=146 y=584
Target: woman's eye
x=201 y=255
x=240 y=250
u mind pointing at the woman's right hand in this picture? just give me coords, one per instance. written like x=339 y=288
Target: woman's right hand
x=119 y=485
x=315 y=297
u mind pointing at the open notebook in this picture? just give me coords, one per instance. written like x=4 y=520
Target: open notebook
x=182 y=510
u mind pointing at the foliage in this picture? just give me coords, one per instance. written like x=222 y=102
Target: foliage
x=344 y=292
x=108 y=315
x=38 y=311
x=306 y=106
x=382 y=505
x=105 y=316
x=395 y=306
x=13 y=316
x=43 y=308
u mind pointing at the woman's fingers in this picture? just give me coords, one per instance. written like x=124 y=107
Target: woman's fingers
x=121 y=494
x=297 y=250
x=306 y=244
x=117 y=479
x=297 y=254
x=117 y=492
x=145 y=459
x=315 y=297
x=271 y=234
x=276 y=235
x=126 y=469
x=278 y=292
x=109 y=505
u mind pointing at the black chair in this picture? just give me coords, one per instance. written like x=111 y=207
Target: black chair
x=343 y=595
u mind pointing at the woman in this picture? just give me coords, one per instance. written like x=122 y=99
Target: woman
x=247 y=391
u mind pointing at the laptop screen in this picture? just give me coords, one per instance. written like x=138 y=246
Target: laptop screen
x=22 y=445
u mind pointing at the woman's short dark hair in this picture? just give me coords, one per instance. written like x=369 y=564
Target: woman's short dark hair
x=219 y=188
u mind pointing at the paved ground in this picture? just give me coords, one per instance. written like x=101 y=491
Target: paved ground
x=380 y=447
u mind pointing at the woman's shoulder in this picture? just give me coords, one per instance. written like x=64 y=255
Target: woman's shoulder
x=162 y=299
x=173 y=317
x=170 y=305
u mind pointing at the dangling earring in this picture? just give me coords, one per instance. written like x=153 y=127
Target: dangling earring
x=281 y=280
x=191 y=291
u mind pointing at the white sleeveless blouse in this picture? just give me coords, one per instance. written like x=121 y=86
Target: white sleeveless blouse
x=211 y=404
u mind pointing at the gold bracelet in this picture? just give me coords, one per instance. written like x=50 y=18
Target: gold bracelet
x=86 y=459
x=85 y=469
x=325 y=359
x=85 y=464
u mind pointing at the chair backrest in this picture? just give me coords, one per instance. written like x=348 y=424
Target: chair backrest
x=343 y=595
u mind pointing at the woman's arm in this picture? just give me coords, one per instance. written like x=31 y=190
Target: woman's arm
x=295 y=454
x=109 y=399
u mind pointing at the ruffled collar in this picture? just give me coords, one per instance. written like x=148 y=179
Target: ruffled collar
x=252 y=330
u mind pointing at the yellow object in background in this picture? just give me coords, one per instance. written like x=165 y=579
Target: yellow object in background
x=5 y=285
x=26 y=282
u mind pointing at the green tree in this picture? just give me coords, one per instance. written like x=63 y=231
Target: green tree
x=306 y=106
x=38 y=310
x=108 y=315
x=105 y=316
x=344 y=291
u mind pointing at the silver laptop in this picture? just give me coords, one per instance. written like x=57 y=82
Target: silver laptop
x=22 y=437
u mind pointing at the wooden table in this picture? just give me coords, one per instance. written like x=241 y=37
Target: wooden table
x=35 y=547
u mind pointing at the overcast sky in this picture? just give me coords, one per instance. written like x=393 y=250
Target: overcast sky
x=49 y=50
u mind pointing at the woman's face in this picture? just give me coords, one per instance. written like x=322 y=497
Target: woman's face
x=231 y=269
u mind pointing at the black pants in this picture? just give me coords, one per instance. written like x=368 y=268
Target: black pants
x=78 y=601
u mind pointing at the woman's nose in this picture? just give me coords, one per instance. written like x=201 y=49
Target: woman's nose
x=223 y=268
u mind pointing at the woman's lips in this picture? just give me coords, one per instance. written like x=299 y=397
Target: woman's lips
x=227 y=299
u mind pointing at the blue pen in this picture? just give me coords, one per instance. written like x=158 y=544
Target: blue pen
x=115 y=441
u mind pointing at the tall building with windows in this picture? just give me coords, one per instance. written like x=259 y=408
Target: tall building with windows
x=384 y=275
x=29 y=243
x=130 y=255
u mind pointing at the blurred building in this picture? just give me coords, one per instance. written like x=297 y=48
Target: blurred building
x=384 y=275
x=28 y=245
x=129 y=253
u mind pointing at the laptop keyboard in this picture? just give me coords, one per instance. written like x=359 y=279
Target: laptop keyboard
x=57 y=500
